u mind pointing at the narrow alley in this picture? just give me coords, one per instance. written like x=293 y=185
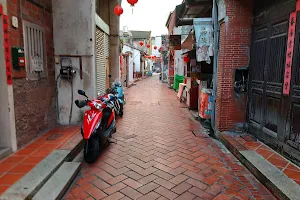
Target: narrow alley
x=157 y=156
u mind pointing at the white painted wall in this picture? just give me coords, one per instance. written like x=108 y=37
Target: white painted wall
x=179 y=64
x=157 y=43
x=74 y=33
x=7 y=113
x=135 y=58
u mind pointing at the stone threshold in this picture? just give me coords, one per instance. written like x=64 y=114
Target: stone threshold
x=22 y=162
x=279 y=175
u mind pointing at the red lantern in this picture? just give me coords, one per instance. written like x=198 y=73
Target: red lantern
x=141 y=43
x=160 y=48
x=118 y=10
x=155 y=47
x=148 y=46
x=132 y=2
x=186 y=59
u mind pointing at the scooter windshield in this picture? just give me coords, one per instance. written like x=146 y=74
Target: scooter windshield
x=117 y=83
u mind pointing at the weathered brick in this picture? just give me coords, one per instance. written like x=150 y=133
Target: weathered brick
x=235 y=41
x=37 y=98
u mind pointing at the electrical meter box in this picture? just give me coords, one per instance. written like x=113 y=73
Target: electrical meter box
x=18 y=58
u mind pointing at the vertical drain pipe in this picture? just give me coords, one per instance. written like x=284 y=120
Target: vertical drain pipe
x=215 y=64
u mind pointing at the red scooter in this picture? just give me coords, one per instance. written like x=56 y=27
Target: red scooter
x=98 y=125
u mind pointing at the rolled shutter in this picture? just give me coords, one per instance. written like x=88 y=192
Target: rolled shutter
x=102 y=53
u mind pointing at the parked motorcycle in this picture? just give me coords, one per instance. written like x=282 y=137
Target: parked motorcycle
x=120 y=94
x=112 y=95
x=118 y=99
x=98 y=125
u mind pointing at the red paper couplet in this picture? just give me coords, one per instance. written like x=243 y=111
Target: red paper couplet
x=289 y=54
x=298 y=5
x=7 y=50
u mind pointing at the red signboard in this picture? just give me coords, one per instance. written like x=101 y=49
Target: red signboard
x=298 y=5
x=7 y=50
x=289 y=54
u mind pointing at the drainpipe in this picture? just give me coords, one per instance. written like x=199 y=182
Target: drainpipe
x=215 y=65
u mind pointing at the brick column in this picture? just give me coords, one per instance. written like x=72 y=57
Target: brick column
x=235 y=40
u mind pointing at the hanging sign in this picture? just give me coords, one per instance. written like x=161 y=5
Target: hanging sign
x=164 y=43
x=7 y=50
x=204 y=38
x=289 y=54
x=175 y=42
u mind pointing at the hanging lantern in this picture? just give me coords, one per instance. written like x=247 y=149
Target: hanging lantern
x=148 y=46
x=186 y=59
x=155 y=47
x=160 y=48
x=132 y=2
x=141 y=43
x=118 y=10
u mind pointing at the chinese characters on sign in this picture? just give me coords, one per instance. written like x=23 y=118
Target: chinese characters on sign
x=289 y=54
x=7 y=50
x=204 y=38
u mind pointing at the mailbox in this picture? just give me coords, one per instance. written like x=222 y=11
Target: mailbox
x=18 y=58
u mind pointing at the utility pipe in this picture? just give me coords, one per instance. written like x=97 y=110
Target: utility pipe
x=215 y=65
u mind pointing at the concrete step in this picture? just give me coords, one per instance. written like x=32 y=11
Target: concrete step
x=275 y=180
x=4 y=152
x=58 y=184
x=27 y=186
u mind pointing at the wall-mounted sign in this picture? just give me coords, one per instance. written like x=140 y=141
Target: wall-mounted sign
x=36 y=64
x=175 y=42
x=289 y=54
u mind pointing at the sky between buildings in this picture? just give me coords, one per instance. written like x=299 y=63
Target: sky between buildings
x=148 y=15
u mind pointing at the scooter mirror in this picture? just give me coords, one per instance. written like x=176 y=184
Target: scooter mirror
x=81 y=92
x=80 y=103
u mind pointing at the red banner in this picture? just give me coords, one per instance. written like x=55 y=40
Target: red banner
x=1 y=9
x=289 y=54
x=7 y=50
x=298 y=5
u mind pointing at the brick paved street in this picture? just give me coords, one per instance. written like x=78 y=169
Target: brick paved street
x=158 y=157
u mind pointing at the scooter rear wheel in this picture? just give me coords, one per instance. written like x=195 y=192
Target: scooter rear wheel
x=121 y=110
x=91 y=151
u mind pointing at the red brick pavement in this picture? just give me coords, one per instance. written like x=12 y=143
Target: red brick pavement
x=158 y=157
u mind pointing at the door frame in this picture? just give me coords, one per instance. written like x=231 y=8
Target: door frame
x=7 y=112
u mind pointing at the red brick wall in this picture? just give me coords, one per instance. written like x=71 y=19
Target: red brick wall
x=35 y=110
x=235 y=40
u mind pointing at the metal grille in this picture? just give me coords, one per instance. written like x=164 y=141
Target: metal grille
x=34 y=49
x=258 y=60
x=277 y=59
x=102 y=53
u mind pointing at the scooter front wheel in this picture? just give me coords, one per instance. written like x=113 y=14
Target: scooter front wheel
x=91 y=150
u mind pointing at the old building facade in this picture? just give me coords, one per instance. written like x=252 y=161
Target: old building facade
x=38 y=39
